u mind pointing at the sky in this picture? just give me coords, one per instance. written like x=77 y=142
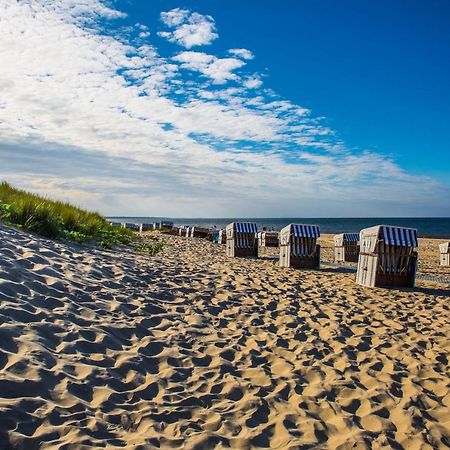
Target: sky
x=222 y=108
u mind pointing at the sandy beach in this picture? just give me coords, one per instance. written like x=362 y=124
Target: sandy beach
x=190 y=349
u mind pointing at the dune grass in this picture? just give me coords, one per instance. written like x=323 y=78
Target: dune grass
x=57 y=220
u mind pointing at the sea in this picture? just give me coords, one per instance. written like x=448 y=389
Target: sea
x=437 y=227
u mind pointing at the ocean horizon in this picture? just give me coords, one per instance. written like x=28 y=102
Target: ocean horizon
x=436 y=227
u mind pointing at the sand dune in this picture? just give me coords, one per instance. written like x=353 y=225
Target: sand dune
x=192 y=350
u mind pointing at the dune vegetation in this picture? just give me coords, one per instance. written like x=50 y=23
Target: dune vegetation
x=58 y=220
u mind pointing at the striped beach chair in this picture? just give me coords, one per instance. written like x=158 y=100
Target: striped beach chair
x=444 y=254
x=166 y=225
x=346 y=248
x=146 y=227
x=199 y=232
x=387 y=257
x=213 y=235
x=298 y=246
x=116 y=224
x=241 y=239
x=131 y=226
x=267 y=240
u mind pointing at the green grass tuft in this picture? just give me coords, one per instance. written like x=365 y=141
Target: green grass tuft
x=151 y=247
x=58 y=220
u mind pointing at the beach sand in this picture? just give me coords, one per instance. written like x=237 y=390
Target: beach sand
x=193 y=350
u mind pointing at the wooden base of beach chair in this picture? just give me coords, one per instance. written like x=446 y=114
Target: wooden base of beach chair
x=344 y=254
x=299 y=262
x=369 y=273
x=237 y=252
x=200 y=233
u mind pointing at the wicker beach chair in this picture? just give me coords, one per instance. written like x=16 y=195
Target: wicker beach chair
x=298 y=246
x=146 y=227
x=213 y=235
x=131 y=226
x=444 y=253
x=166 y=225
x=241 y=239
x=346 y=248
x=199 y=232
x=267 y=240
x=388 y=257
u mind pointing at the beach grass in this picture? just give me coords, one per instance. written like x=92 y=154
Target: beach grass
x=58 y=220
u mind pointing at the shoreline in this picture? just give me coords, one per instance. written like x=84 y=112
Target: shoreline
x=350 y=228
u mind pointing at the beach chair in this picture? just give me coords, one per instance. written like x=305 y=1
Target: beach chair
x=298 y=246
x=131 y=226
x=267 y=240
x=222 y=238
x=174 y=231
x=146 y=227
x=346 y=248
x=188 y=231
x=166 y=225
x=241 y=239
x=213 y=235
x=444 y=251
x=387 y=257
x=116 y=224
x=199 y=232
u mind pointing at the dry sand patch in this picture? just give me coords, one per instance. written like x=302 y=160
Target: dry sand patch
x=191 y=349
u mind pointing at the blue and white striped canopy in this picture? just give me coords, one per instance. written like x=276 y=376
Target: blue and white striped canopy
x=167 y=224
x=245 y=227
x=351 y=237
x=403 y=237
x=310 y=231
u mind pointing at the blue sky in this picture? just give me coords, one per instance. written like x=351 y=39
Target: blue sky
x=213 y=108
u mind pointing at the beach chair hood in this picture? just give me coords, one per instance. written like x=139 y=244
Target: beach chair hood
x=389 y=235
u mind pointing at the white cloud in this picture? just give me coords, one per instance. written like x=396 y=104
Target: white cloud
x=252 y=83
x=219 y=70
x=241 y=53
x=67 y=84
x=191 y=29
x=175 y=17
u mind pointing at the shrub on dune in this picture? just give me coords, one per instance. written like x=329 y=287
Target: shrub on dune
x=56 y=219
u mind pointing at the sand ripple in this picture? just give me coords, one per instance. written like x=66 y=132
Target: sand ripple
x=192 y=350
